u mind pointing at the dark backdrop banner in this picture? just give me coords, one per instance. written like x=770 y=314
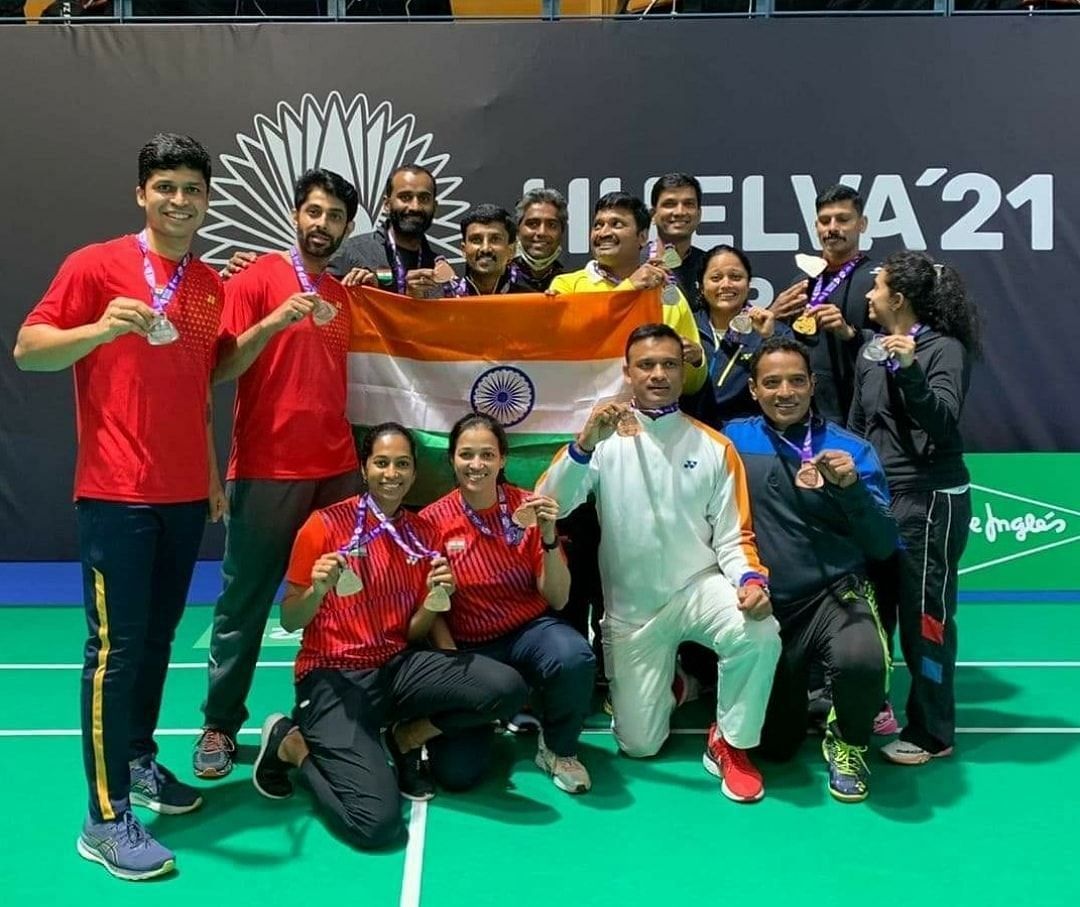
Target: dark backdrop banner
x=959 y=132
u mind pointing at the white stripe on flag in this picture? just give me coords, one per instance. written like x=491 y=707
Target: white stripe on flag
x=434 y=395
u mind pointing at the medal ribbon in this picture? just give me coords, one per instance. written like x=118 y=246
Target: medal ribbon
x=302 y=275
x=160 y=298
x=396 y=264
x=821 y=293
x=655 y=413
x=512 y=533
x=405 y=538
x=806 y=451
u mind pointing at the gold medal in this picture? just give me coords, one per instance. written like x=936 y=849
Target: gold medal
x=348 y=583
x=808 y=477
x=805 y=324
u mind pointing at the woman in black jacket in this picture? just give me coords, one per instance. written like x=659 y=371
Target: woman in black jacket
x=910 y=385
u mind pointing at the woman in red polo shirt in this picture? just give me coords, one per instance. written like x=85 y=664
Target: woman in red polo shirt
x=510 y=574
x=364 y=581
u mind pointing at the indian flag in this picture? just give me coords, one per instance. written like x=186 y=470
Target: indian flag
x=536 y=363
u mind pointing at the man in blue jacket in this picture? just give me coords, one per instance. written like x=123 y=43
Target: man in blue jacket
x=820 y=507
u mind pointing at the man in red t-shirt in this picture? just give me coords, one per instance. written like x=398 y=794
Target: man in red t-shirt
x=138 y=318
x=292 y=448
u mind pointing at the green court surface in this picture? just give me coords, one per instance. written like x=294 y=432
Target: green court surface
x=993 y=825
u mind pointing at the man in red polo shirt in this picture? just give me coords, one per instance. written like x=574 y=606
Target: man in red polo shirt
x=292 y=449
x=138 y=318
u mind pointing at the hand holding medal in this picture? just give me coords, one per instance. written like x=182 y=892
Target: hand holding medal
x=900 y=347
x=537 y=510
x=124 y=315
x=837 y=468
x=326 y=572
x=443 y=272
x=602 y=422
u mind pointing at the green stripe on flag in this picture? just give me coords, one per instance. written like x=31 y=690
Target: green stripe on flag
x=530 y=455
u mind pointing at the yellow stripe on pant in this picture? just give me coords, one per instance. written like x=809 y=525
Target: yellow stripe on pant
x=97 y=729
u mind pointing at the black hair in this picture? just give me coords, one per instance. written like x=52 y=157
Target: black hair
x=407 y=168
x=778 y=344
x=543 y=196
x=838 y=194
x=169 y=151
x=675 y=181
x=330 y=183
x=936 y=293
x=653 y=331
x=626 y=202
x=489 y=214
x=385 y=428
x=723 y=249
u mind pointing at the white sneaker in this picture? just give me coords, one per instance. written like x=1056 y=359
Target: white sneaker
x=567 y=772
x=903 y=753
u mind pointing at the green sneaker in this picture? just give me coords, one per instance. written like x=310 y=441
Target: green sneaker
x=847 y=769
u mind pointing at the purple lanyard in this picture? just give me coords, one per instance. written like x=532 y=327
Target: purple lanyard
x=302 y=275
x=806 y=452
x=405 y=539
x=459 y=286
x=821 y=293
x=397 y=264
x=512 y=533
x=515 y=274
x=160 y=298
x=891 y=365
x=655 y=413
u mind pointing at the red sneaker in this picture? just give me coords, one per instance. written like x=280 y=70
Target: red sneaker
x=740 y=781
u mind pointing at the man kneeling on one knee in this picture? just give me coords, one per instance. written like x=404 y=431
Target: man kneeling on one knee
x=821 y=512
x=678 y=561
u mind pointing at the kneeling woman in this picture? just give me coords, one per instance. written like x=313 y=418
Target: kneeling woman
x=363 y=582
x=510 y=573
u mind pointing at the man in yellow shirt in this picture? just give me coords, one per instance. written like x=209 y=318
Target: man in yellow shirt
x=620 y=230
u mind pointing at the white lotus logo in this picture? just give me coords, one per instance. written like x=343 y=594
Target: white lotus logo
x=251 y=206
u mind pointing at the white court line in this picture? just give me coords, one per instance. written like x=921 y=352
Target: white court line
x=414 y=856
x=254 y=731
x=201 y=665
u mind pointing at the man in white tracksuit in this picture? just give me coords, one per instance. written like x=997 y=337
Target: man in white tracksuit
x=678 y=561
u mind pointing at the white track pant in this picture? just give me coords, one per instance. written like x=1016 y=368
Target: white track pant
x=640 y=664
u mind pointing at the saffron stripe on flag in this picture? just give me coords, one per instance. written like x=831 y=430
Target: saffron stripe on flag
x=575 y=326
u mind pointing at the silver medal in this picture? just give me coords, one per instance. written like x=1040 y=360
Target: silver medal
x=670 y=294
x=348 y=583
x=323 y=313
x=671 y=257
x=162 y=331
x=438 y=600
x=875 y=351
x=742 y=323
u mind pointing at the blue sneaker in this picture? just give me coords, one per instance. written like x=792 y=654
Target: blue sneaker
x=848 y=771
x=125 y=849
x=156 y=788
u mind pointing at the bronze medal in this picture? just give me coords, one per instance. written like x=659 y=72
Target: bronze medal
x=628 y=425
x=443 y=273
x=808 y=477
x=524 y=516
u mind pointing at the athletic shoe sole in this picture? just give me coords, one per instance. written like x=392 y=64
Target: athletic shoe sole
x=212 y=774
x=713 y=769
x=920 y=758
x=264 y=742
x=164 y=809
x=128 y=875
x=418 y=798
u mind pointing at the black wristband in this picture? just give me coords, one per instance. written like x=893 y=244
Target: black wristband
x=550 y=546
